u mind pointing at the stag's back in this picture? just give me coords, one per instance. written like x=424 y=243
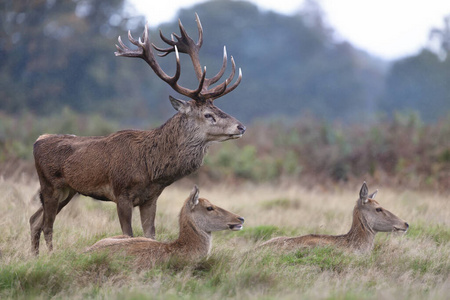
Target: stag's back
x=89 y=164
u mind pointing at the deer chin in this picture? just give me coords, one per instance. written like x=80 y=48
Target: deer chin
x=235 y=227
x=235 y=136
x=398 y=229
x=224 y=137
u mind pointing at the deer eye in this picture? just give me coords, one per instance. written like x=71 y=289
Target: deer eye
x=379 y=209
x=210 y=116
x=210 y=208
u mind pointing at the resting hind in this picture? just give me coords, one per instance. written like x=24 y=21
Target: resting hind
x=368 y=219
x=198 y=218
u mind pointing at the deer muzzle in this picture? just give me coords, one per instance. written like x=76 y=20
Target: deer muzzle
x=236 y=226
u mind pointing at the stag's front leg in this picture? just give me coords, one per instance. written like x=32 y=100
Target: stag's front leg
x=125 y=211
x=148 y=210
x=148 y=214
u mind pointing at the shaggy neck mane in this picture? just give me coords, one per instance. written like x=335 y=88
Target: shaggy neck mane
x=361 y=235
x=177 y=149
x=191 y=238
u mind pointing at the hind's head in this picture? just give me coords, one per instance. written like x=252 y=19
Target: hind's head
x=378 y=218
x=209 y=217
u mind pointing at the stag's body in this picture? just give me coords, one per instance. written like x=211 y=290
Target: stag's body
x=132 y=167
x=132 y=163
x=198 y=218
x=368 y=219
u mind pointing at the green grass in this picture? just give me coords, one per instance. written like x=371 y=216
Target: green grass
x=323 y=258
x=282 y=203
x=262 y=232
x=436 y=232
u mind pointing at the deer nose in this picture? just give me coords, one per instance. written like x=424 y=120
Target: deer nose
x=407 y=225
x=241 y=128
x=241 y=219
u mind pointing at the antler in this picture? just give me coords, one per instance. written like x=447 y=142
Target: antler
x=184 y=44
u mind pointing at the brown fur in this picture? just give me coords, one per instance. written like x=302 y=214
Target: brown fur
x=368 y=219
x=198 y=218
x=132 y=167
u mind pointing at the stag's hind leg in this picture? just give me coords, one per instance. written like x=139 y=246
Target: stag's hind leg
x=52 y=203
x=36 y=224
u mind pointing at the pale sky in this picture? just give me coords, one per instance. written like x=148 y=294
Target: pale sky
x=386 y=28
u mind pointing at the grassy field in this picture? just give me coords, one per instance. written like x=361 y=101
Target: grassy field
x=411 y=266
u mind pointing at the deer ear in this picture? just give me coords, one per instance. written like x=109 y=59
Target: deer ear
x=372 y=196
x=179 y=105
x=363 y=193
x=193 y=197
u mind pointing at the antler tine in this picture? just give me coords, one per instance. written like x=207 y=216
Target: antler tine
x=165 y=51
x=217 y=92
x=144 y=36
x=131 y=39
x=177 y=72
x=182 y=31
x=219 y=75
x=166 y=40
x=233 y=70
x=200 y=31
x=124 y=50
x=200 y=84
x=121 y=48
x=214 y=95
x=231 y=88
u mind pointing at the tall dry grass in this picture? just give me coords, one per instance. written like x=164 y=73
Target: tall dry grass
x=411 y=266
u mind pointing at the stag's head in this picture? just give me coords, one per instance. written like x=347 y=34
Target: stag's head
x=209 y=217
x=211 y=122
x=378 y=218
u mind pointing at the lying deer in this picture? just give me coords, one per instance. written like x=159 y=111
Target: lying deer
x=368 y=219
x=198 y=218
x=132 y=167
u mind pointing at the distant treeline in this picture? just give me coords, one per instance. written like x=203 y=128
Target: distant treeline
x=56 y=54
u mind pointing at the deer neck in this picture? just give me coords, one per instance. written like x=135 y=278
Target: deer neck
x=361 y=236
x=179 y=147
x=192 y=241
x=180 y=131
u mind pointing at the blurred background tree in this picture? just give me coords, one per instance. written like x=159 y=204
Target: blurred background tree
x=443 y=35
x=59 y=53
x=56 y=54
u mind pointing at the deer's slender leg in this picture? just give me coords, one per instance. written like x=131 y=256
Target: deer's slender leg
x=36 y=224
x=148 y=214
x=148 y=211
x=52 y=205
x=125 y=211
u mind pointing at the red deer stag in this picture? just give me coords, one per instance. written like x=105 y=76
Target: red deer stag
x=132 y=167
x=368 y=219
x=198 y=218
